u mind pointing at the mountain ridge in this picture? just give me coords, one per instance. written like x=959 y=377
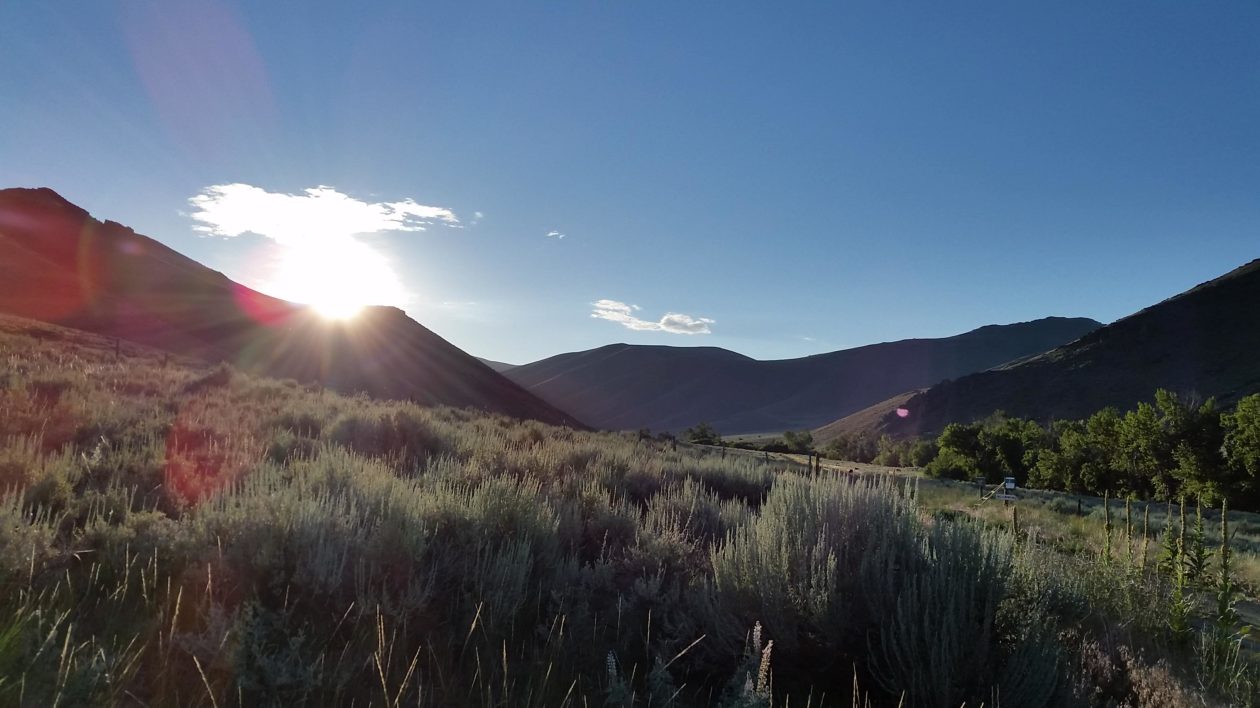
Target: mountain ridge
x=1200 y=343
x=625 y=386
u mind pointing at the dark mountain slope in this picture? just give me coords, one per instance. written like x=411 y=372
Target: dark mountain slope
x=496 y=365
x=59 y=265
x=1203 y=342
x=624 y=386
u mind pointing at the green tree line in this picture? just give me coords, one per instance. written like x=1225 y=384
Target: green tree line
x=1169 y=448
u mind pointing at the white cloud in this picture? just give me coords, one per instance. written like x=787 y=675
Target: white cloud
x=320 y=260
x=685 y=324
x=554 y=234
x=672 y=322
x=605 y=309
x=317 y=214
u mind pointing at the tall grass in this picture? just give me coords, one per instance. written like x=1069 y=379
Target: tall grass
x=175 y=535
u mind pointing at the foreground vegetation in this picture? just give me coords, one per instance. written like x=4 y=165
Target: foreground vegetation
x=181 y=535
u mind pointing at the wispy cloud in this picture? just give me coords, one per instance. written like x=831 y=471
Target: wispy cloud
x=318 y=213
x=672 y=322
x=555 y=234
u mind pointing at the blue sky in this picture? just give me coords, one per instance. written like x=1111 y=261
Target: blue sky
x=788 y=179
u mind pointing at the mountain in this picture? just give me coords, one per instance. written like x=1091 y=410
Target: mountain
x=623 y=386
x=1203 y=342
x=497 y=365
x=59 y=265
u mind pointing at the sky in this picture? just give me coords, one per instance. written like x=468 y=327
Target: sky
x=780 y=179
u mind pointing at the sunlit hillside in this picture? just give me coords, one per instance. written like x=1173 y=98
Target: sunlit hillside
x=176 y=534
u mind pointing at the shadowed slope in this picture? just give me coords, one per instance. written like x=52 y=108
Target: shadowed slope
x=57 y=264
x=1203 y=342
x=496 y=365
x=624 y=386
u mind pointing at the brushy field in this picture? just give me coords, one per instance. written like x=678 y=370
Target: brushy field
x=1073 y=523
x=174 y=534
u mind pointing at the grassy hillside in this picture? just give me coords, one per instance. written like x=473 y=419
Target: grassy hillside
x=865 y=421
x=182 y=535
x=627 y=387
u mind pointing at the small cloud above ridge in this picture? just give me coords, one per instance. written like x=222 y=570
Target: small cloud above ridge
x=671 y=322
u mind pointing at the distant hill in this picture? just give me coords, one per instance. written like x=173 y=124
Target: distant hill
x=623 y=386
x=496 y=365
x=59 y=265
x=1203 y=342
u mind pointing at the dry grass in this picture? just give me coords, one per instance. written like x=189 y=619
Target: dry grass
x=182 y=535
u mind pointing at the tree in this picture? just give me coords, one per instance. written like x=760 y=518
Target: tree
x=950 y=464
x=1242 y=445
x=1063 y=464
x=703 y=434
x=1099 y=472
x=993 y=447
x=1010 y=446
x=1198 y=464
x=962 y=439
x=922 y=452
x=892 y=453
x=802 y=442
x=1144 y=453
x=857 y=448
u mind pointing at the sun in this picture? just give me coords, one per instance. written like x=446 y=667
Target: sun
x=336 y=277
x=334 y=310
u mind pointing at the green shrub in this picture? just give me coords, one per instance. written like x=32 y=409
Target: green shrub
x=1062 y=505
x=942 y=644
x=218 y=377
x=286 y=445
x=399 y=435
x=48 y=391
x=813 y=567
x=300 y=422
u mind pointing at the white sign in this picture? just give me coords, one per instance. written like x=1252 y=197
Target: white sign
x=1010 y=483
x=1006 y=497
